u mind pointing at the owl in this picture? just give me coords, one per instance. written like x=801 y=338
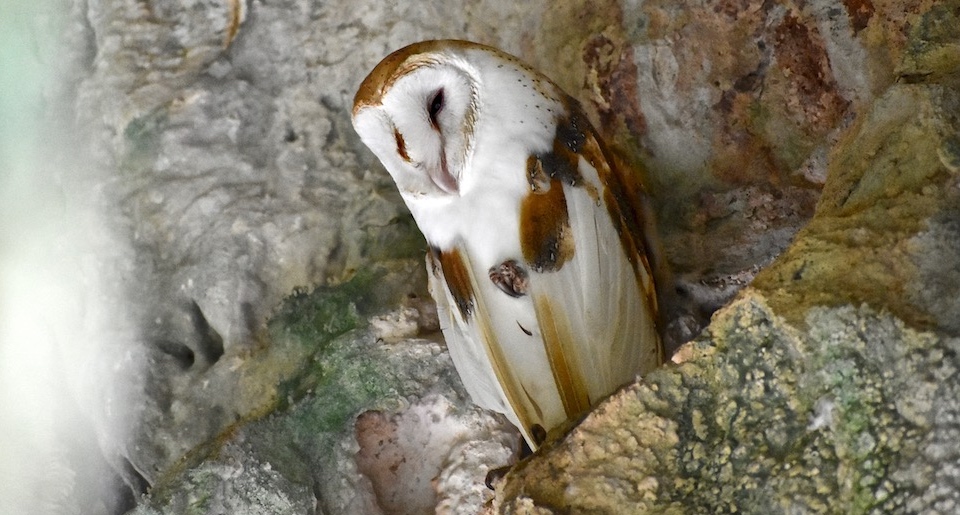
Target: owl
x=537 y=260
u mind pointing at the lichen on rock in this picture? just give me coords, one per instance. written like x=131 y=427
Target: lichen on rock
x=763 y=418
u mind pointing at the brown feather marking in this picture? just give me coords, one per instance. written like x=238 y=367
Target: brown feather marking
x=391 y=68
x=233 y=23
x=457 y=277
x=576 y=135
x=558 y=344
x=401 y=145
x=544 y=220
x=507 y=376
x=622 y=195
x=536 y=176
x=407 y=59
x=562 y=161
x=545 y=237
x=623 y=198
x=533 y=403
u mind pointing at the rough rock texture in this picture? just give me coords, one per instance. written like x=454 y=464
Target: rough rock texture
x=306 y=458
x=212 y=141
x=237 y=176
x=856 y=413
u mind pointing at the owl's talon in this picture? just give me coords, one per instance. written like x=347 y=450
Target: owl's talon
x=494 y=476
x=539 y=434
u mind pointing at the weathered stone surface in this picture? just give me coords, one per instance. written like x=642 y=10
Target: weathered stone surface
x=235 y=483
x=233 y=169
x=414 y=419
x=731 y=108
x=887 y=223
x=853 y=414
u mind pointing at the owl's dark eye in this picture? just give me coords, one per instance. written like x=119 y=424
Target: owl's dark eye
x=436 y=105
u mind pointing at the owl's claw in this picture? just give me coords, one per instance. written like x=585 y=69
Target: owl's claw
x=495 y=475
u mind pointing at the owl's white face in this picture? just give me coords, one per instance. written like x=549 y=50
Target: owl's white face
x=439 y=113
x=423 y=127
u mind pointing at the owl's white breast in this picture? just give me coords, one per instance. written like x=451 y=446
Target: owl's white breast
x=484 y=217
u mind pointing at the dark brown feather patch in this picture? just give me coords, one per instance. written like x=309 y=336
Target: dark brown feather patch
x=563 y=160
x=536 y=175
x=457 y=277
x=622 y=194
x=401 y=146
x=545 y=238
x=544 y=220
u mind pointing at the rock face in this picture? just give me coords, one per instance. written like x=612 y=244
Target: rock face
x=277 y=353
x=855 y=411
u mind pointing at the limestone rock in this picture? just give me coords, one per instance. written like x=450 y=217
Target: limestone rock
x=361 y=426
x=852 y=414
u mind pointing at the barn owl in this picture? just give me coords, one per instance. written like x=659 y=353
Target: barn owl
x=537 y=256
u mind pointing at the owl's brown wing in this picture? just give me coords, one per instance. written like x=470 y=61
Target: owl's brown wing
x=591 y=285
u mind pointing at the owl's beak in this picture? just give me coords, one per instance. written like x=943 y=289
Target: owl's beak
x=442 y=177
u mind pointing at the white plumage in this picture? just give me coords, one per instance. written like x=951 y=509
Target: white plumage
x=537 y=260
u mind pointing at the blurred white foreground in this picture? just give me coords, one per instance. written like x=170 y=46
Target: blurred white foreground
x=53 y=375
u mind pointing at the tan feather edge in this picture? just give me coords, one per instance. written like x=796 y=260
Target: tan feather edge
x=557 y=342
x=405 y=60
x=615 y=192
x=505 y=373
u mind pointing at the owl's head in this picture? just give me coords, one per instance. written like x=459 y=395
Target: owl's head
x=417 y=111
x=424 y=108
